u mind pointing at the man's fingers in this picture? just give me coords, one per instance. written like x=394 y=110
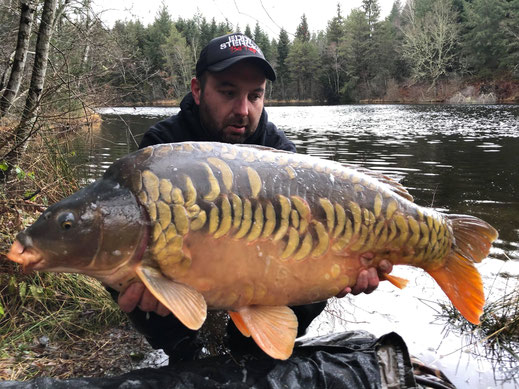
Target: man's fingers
x=385 y=266
x=148 y=302
x=344 y=292
x=162 y=310
x=361 y=284
x=130 y=298
x=136 y=295
x=373 y=280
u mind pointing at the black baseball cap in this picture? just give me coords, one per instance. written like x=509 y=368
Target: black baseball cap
x=226 y=50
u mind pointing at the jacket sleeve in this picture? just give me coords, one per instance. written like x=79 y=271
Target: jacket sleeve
x=150 y=138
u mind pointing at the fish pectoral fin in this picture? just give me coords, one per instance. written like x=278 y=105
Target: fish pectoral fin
x=273 y=328
x=399 y=282
x=186 y=303
x=461 y=282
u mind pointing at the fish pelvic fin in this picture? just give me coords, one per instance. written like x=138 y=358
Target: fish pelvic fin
x=239 y=323
x=186 y=303
x=461 y=282
x=399 y=282
x=273 y=328
x=473 y=237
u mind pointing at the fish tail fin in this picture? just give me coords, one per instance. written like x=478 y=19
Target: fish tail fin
x=461 y=282
x=473 y=237
x=459 y=278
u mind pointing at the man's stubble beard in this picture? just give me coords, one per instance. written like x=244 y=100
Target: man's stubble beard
x=217 y=129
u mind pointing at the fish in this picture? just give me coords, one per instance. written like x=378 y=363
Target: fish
x=250 y=230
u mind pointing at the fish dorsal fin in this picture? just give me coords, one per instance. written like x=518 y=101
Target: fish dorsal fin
x=394 y=185
x=187 y=304
x=273 y=328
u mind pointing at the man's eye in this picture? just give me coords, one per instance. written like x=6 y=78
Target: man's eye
x=227 y=93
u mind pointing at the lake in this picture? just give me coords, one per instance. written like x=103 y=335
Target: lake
x=454 y=158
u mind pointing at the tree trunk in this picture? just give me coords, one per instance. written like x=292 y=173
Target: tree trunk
x=28 y=9
x=88 y=26
x=23 y=131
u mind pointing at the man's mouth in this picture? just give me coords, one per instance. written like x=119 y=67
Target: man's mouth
x=238 y=128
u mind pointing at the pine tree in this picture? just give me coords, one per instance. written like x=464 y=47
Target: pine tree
x=283 y=49
x=248 y=31
x=352 y=50
x=372 y=10
x=302 y=31
x=484 y=43
x=262 y=40
x=179 y=65
x=335 y=28
x=157 y=33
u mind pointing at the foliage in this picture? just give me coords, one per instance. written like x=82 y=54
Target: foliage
x=491 y=39
x=358 y=55
x=302 y=63
x=431 y=39
x=302 y=31
x=34 y=307
x=178 y=64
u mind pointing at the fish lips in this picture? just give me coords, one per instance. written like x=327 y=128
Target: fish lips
x=28 y=257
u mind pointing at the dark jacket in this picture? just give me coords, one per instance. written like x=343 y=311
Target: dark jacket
x=179 y=342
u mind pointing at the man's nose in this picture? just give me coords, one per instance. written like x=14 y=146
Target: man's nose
x=241 y=106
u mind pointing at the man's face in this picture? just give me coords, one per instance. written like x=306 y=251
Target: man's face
x=231 y=102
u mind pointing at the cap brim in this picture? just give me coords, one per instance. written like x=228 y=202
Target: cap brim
x=222 y=65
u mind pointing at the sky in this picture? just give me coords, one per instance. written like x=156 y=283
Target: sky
x=271 y=14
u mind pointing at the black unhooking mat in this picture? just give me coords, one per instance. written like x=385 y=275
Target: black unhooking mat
x=346 y=360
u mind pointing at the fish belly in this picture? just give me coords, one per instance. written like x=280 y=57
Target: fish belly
x=231 y=273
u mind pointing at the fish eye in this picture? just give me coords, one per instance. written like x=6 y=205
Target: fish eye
x=66 y=220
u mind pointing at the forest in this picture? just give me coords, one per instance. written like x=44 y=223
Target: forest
x=360 y=56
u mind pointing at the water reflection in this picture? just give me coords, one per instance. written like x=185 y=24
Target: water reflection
x=458 y=159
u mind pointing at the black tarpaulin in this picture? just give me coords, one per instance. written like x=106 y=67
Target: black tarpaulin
x=346 y=360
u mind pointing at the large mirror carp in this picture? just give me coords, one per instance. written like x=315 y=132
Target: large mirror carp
x=250 y=230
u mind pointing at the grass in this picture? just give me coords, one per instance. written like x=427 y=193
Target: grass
x=498 y=331
x=45 y=308
x=59 y=325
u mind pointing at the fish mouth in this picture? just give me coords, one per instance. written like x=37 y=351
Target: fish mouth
x=28 y=257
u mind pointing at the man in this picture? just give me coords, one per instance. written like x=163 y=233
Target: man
x=225 y=105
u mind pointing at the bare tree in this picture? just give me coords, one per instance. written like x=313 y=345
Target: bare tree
x=23 y=131
x=430 y=40
x=28 y=9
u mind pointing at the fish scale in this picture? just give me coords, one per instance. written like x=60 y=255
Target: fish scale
x=251 y=230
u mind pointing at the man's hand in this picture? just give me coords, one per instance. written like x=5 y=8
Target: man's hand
x=137 y=295
x=368 y=279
